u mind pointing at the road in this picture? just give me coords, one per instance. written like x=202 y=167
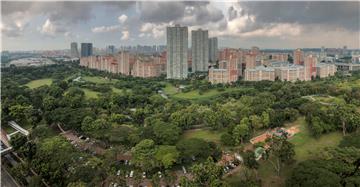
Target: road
x=7 y=180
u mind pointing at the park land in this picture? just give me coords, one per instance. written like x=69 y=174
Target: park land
x=90 y=128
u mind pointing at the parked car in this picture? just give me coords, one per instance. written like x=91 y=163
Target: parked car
x=131 y=174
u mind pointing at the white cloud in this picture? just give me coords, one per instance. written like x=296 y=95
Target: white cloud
x=48 y=28
x=122 y=19
x=156 y=30
x=104 y=29
x=125 y=35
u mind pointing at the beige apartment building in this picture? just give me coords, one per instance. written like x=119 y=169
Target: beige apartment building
x=260 y=73
x=148 y=66
x=118 y=63
x=290 y=73
x=298 y=57
x=325 y=70
x=233 y=69
x=217 y=76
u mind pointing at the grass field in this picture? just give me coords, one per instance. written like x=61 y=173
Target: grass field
x=205 y=134
x=96 y=79
x=170 y=89
x=306 y=146
x=37 y=83
x=349 y=84
x=332 y=100
x=90 y=94
x=194 y=95
x=117 y=90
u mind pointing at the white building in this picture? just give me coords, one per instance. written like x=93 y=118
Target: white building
x=177 y=52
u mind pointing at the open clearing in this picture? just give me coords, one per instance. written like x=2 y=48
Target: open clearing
x=194 y=95
x=39 y=82
x=90 y=94
x=306 y=147
x=96 y=79
x=205 y=134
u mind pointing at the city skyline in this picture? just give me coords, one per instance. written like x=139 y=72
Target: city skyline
x=236 y=24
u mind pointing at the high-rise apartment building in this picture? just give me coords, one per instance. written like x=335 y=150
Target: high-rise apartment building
x=86 y=49
x=310 y=66
x=298 y=57
x=250 y=60
x=74 y=50
x=255 y=50
x=110 y=49
x=123 y=59
x=213 y=49
x=177 y=52
x=200 y=50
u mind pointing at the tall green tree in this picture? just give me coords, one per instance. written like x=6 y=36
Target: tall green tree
x=280 y=152
x=144 y=154
x=241 y=131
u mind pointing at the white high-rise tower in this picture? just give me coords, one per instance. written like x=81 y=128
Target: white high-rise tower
x=177 y=52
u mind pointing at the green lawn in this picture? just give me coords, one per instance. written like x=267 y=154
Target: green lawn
x=205 y=134
x=90 y=94
x=96 y=79
x=170 y=89
x=327 y=99
x=306 y=147
x=349 y=84
x=117 y=90
x=194 y=94
x=39 y=82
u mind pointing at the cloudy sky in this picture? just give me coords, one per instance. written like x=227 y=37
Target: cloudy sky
x=53 y=25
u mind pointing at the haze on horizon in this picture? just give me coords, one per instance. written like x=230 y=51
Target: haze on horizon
x=53 y=25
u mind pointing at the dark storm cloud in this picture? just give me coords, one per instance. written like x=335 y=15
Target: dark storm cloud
x=159 y=12
x=60 y=14
x=338 y=14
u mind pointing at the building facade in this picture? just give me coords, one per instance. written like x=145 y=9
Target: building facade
x=148 y=66
x=325 y=70
x=213 y=49
x=74 y=52
x=199 y=50
x=290 y=73
x=218 y=76
x=298 y=57
x=123 y=59
x=118 y=63
x=310 y=66
x=260 y=73
x=110 y=49
x=177 y=52
x=86 y=49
